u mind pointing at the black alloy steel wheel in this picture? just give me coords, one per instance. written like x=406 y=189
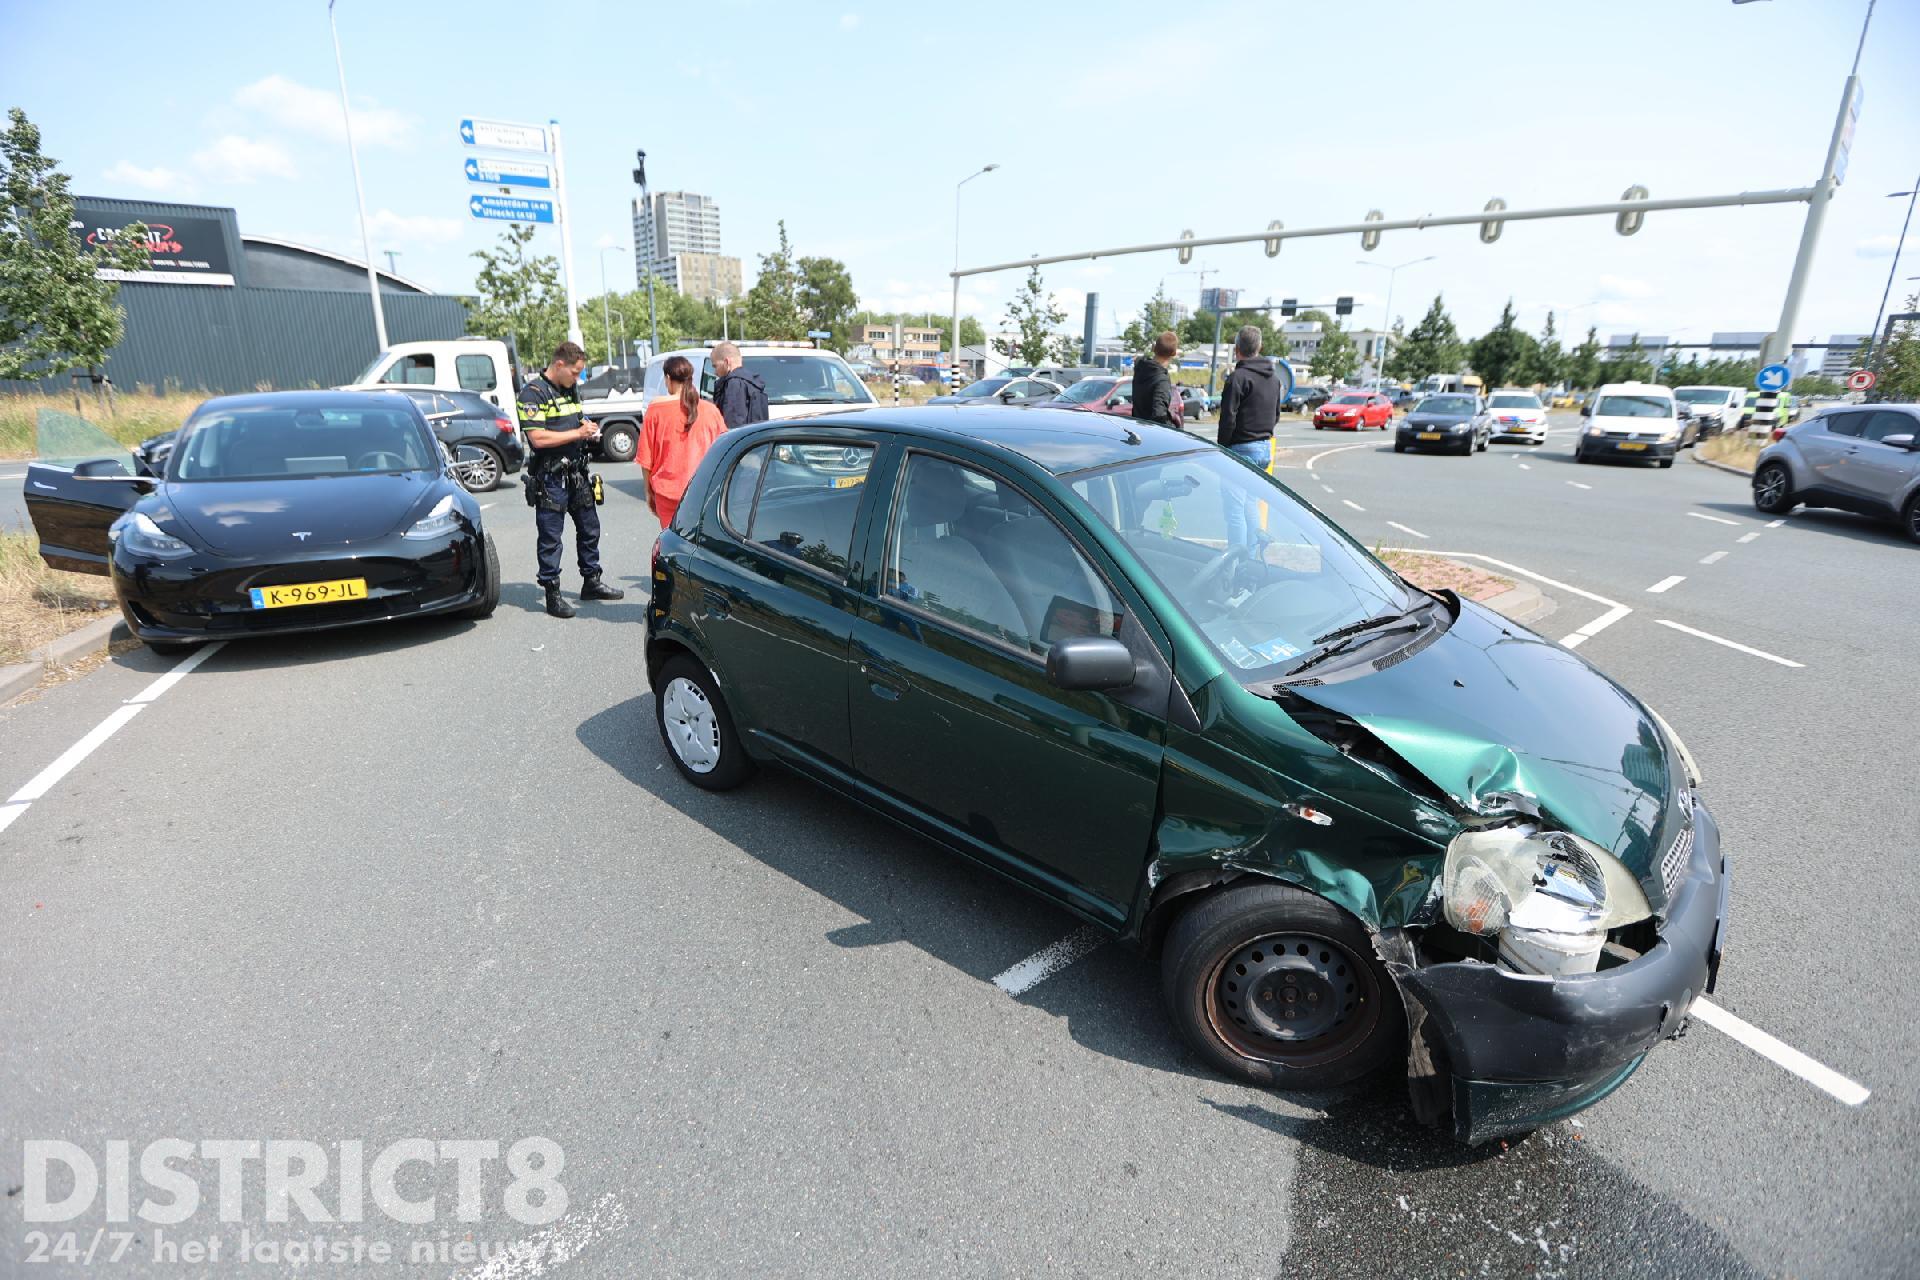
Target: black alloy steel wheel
x=1773 y=489
x=490 y=569
x=1280 y=988
x=619 y=441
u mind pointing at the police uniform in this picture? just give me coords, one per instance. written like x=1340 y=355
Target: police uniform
x=559 y=485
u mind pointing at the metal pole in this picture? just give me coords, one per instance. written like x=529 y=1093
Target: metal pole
x=653 y=255
x=606 y=324
x=566 y=240
x=1214 y=364
x=391 y=255
x=954 y=337
x=359 y=194
x=1893 y=270
x=1780 y=345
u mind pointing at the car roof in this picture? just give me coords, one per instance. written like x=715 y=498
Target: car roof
x=1061 y=441
x=305 y=399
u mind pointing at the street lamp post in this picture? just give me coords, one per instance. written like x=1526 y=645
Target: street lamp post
x=954 y=337
x=360 y=195
x=653 y=238
x=1387 y=323
x=606 y=325
x=1893 y=270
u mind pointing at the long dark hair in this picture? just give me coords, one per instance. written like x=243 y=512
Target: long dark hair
x=680 y=369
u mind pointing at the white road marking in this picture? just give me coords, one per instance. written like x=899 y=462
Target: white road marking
x=1775 y=524
x=1699 y=515
x=1595 y=627
x=1050 y=960
x=14 y=475
x=179 y=673
x=1731 y=644
x=1713 y=558
x=1615 y=610
x=485 y=505
x=1327 y=487
x=1328 y=453
x=1818 y=1075
x=1748 y=537
x=1667 y=584
x=1350 y=502
x=1576 y=484
x=561 y=1242
x=1395 y=524
x=8 y=812
x=1526 y=466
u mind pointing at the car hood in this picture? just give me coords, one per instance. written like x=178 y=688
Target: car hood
x=261 y=517
x=1505 y=722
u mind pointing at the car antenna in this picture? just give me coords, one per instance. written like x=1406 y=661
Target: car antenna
x=1131 y=437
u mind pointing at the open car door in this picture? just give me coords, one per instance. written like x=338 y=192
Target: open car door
x=71 y=508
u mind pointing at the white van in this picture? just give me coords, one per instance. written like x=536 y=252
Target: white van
x=1631 y=421
x=1713 y=409
x=482 y=365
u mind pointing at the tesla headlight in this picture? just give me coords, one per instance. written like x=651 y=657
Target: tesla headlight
x=1547 y=897
x=442 y=519
x=137 y=532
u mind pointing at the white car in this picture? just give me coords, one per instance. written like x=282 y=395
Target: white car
x=1517 y=415
x=800 y=377
x=1715 y=409
x=1631 y=421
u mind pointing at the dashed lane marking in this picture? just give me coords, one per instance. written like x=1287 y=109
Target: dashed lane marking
x=1043 y=964
x=1748 y=537
x=1701 y=515
x=1775 y=524
x=1576 y=484
x=1731 y=644
x=1350 y=502
x=1395 y=524
x=1817 y=1074
x=1713 y=558
x=485 y=505
x=1667 y=584
x=1615 y=610
x=1526 y=466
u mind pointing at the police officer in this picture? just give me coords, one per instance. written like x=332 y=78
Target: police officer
x=558 y=483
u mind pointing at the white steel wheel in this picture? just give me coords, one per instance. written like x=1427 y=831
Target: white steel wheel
x=693 y=730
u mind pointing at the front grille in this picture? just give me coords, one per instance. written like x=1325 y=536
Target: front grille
x=1674 y=865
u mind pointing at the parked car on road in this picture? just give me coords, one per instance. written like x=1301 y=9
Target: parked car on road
x=279 y=512
x=1633 y=422
x=484 y=441
x=1864 y=459
x=1002 y=390
x=1305 y=399
x=1517 y=415
x=1354 y=411
x=1030 y=636
x=1456 y=422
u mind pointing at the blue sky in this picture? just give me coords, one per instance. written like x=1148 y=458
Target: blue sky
x=1112 y=123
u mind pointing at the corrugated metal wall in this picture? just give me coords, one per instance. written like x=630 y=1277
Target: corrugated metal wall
x=212 y=338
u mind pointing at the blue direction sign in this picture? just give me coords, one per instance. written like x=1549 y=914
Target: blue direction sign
x=489 y=172
x=509 y=209
x=503 y=135
x=1774 y=377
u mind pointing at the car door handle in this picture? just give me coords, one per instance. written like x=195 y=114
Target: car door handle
x=882 y=681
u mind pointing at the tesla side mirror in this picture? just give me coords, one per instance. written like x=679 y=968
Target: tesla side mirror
x=1905 y=440
x=101 y=469
x=1090 y=662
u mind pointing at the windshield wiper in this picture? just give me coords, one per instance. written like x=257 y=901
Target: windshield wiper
x=1365 y=624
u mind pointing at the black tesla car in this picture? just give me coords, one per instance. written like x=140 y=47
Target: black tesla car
x=280 y=512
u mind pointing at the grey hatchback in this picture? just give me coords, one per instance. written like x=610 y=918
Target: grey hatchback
x=1860 y=458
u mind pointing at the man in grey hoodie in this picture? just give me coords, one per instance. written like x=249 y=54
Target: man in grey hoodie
x=1249 y=406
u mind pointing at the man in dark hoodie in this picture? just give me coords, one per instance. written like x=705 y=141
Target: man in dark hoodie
x=740 y=393
x=1152 y=387
x=1249 y=406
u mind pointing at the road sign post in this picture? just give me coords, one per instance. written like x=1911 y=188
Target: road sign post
x=505 y=135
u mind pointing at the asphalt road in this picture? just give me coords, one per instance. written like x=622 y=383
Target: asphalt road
x=438 y=881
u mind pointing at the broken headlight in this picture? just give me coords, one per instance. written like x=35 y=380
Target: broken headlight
x=1547 y=897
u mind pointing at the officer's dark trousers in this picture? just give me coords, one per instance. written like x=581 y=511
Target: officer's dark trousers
x=553 y=526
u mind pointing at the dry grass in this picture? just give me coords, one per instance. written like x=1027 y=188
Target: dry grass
x=38 y=604
x=1437 y=573
x=135 y=417
x=1733 y=448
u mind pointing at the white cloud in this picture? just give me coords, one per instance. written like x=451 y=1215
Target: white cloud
x=388 y=227
x=305 y=109
x=233 y=158
x=1883 y=246
x=848 y=21
x=1623 y=287
x=159 y=180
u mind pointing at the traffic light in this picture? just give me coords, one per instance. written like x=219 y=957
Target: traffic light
x=1289 y=307
x=1343 y=306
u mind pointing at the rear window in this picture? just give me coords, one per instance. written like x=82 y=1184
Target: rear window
x=1633 y=407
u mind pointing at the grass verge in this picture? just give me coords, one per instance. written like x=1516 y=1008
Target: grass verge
x=1733 y=449
x=1437 y=573
x=135 y=417
x=38 y=604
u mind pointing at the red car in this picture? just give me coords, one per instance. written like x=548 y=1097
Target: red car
x=1353 y=411
x=1108 y=394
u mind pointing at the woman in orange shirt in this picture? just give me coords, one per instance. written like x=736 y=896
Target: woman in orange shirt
x=674 y=436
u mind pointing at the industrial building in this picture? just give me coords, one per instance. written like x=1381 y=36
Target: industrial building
x=220 y=311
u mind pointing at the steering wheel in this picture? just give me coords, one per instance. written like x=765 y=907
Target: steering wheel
x=380 y=460
x=1214 y=570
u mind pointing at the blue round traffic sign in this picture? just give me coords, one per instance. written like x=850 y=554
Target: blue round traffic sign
x=1774 y=377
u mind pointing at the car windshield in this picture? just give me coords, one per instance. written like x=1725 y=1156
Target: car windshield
x=799 y=379
x=1514 y=402
x=1087 y=390
x=985 y=387
x=1254 y=569
x=1351 y=400
x=1699 y=395
x=273 y=442
x=1633 y=407
x=1446 y=405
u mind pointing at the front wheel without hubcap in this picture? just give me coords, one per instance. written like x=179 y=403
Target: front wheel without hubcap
x=1278 y=987
x=695 y=726
x=1773 y=489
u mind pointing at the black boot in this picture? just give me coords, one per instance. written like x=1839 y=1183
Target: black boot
x=594 y=589
x=556 y=603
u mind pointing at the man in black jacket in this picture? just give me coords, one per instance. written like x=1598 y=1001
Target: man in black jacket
x=1249 y=406
x=1152 y=387
x=740 y=393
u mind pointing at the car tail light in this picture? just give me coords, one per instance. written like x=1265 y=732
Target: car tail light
x=1778 y=432
x=505 y=425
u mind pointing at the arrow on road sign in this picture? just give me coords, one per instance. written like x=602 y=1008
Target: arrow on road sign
x=509 y=209
x=1774 y=377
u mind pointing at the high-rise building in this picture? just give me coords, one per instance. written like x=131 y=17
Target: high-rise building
x=678 y=239
x=1842 y=355
x=1218 y=300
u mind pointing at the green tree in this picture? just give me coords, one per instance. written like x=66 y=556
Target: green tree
x=1434 y=346
x=1899 y=362
x=1627 y=364
x=56 y=313
x=1033 y=317
x=520 y=296
x=1583 y=362
x=827 y=299
x=1155 y=318
x=1504 y=352
x=1546 y=362
x=1336 y=357
x=772 y=307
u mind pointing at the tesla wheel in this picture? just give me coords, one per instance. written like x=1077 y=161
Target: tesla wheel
x=1773 y=489
x=619 y=442
x=696 y=727
x=1280 y=988
x=490 y=593
x=481 y=472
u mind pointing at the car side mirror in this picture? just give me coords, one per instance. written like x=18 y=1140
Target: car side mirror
x=1905 y=440
x=1090 y=662
x=1006 y=397
x=1586 y=411
x=101 y=469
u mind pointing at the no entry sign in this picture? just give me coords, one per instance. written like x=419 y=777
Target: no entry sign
x=1862 y=380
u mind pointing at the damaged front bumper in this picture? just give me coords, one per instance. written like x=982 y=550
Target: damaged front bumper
x=1504 y=1052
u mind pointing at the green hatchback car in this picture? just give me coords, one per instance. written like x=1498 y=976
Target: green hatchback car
x=1357 y=822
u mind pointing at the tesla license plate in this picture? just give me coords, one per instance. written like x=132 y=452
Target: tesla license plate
x=1631 y=446
x=309 y=593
